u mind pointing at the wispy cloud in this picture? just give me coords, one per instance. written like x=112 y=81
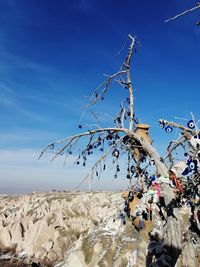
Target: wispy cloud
x=7 y=96
x=11 y=61
x=10 y=100
x=27 y=137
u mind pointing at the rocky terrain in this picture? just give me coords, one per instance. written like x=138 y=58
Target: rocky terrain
x=50 y=227
x=69 y=230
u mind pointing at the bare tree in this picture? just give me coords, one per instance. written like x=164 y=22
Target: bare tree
x=123 y=139
x=129 y=138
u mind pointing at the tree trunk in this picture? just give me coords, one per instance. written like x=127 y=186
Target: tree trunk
x=172 y=230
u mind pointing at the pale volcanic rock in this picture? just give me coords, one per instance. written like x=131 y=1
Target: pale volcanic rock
x=74 y=230
x=43 y=226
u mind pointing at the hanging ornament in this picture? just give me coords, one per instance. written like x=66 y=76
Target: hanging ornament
x=126 y=138
x=90 y=147
x=162 y=125
x=117 y=137
x=191 y=124
x=118 y=169
x=192 y=164
x=109 y=136
x=119 y=120
x=51 y=146
x=132 y=169
x=168 y=129
x=115 y=153
x=128 y=176
x=186 y=171
x=130 y=196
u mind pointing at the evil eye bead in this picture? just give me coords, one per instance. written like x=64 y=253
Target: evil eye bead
x=197 y=136
x=168 y=129
x=192 y=166
x=52 y=146
x=152 y=178
x=186 y=171
x=162 y=125
x=115 y=153
x=191 y=124
x=132 y=169
x=130 y=196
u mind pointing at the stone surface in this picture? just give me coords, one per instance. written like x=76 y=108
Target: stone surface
x=74 y=230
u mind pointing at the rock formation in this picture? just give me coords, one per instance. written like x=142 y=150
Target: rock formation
x=65 y=229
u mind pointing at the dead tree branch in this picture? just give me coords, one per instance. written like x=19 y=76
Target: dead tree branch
x=101 y=90
x=98 y=137
x=129 y=83
x=123 y=77
x=172 y=146
x=183 y=13
x=77 y=137
x=176 y=125
x=103 y=157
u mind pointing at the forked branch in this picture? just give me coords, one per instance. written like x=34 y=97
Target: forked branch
x=126 y=138
x=123 y=77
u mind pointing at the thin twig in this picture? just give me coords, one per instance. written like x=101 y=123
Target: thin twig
x=77 y=136
x=98 y=161
x=183 y=13
x=96 y=96
x=121 y=48
x=173 y=145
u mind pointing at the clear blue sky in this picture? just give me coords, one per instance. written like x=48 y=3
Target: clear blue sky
x=54 y=53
